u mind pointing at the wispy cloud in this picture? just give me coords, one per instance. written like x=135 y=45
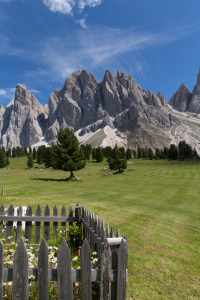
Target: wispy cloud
x=82 y=23
x=34 y=91
x=97 y=48
x=67 y=6
x=7 y=93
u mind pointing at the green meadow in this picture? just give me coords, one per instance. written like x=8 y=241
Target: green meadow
x=155 y=203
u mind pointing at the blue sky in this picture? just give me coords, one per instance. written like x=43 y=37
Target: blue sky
x=43 y=41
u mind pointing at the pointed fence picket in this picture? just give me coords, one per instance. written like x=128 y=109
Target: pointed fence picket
x=112 y=255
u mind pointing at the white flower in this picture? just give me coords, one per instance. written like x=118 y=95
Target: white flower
x=75 y=258
x=76 y=284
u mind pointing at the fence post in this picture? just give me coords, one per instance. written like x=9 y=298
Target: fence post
x=55 y=224
x=47 y=224
x=19 y=226
x=43 y=286
x=20 y=273
x=2 y=191
x=37 y=226
x=65 y=289
x=86 y=282
x=9 y=225
x=121 y=270
x=28 y=225
x=63 y=224
x=105 y=274
x=1 y=270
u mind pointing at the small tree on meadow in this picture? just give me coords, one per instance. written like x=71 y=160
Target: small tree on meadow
x=34 y=153
x=118 y=160
x=93 y=153
x=69 y=156
x=30 y=161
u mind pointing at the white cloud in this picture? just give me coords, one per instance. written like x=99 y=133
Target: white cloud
x=66 y=6
x=62 y=6
x=2 y=92
x=82 y=23
x=34 y=91
x=91 y=3
x=7 y=93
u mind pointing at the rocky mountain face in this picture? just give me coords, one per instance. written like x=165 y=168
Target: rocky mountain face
x=184 y=101
x=116 y=110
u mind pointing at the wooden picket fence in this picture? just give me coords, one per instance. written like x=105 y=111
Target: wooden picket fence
x=112 y=255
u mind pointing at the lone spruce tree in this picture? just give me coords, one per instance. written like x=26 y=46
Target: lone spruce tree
x=118 y=160
x=68 y=155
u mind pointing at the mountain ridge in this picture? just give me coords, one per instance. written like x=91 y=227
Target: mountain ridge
x=117 y=104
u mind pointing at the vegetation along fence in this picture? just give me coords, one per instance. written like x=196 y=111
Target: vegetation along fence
x=112 y=255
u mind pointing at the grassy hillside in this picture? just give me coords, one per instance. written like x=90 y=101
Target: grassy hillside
x=155 y=203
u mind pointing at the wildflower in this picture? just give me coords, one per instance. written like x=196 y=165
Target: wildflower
x=26 y=240
x=50 y=248
x=10 y=237
x=78 y=267
x=10 y=283
x=74 y=239
x=56 y=248
x=31 y=266
x=75 y=258
x=3 y=239
x=13 y=243
x=76 y=284
x=72 y=268
x=94 y=253
x=95 y=259
x=54 y=260
x=31 y=248
x=31 y=277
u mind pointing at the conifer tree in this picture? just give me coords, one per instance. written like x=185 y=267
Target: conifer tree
x=2 y=159
x=99 y=154
x=69 y=156
x=118 y=160
x=30 y=161
x=128 y=154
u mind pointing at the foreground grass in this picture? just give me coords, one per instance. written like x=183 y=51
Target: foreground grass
x=155 y=203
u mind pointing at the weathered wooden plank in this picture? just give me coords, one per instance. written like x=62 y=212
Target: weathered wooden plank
x=47 y=224
x=105 y=276
x=20 y=273
x=19 y=226
x=52 y=275
x=43 y=287
x=65 y=288
x=118 y=233
x=121 y=274
x=114 y=266
x=1 y=270
x=55 y=224
x=91 y=225
x=115 y=241
x=28 y=225
x=37 y=226
x=86 y=286
x=9 y=225
x=37 y=219
x=63 y=223
x=103 y=231
x=78 y=214
x=108 y=230
x=95 y=237
x=112 y=232
x=83 y=217
x=2 y=209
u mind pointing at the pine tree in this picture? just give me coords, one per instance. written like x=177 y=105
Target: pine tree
x=93 y=153
x=13 y=152
x=128 y=154
x=2 y=159
x=30 y=161
x=30 y=150
x=139 y=152
x=151 y=154
x=34 y=153
x=99 y=154
x=134 y=154
x=69 y=156
x=118 y=160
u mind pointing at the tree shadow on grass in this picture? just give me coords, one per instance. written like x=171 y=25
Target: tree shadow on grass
x=50 y=179
x=58 y=180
